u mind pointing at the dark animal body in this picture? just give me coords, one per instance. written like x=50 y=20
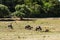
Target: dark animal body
x=10 y=26
x=47 y=30
x=28 y=27
x=38 y=28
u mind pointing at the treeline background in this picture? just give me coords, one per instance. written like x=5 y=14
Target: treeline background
x=29 y=8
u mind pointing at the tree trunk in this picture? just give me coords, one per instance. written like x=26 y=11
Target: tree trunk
x=21 y=18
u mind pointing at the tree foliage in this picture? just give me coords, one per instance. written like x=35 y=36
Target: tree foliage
x=33 y=8
x=4 y=11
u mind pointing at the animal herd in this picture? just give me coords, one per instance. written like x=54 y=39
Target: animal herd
x=38 y=28
x=28 y=27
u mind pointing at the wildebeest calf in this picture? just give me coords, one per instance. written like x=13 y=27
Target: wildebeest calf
x=28 y=27
x=38 y=28
x=47 y=30
x=10 y=26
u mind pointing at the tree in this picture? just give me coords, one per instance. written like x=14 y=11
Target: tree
x=12 y=3
x=47 y=6
x=18 y=14
x=4 y=11
x=19 y=11
x=34 y=8
x=29 y=9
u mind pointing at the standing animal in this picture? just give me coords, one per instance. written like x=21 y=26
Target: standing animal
x=28 y=27
x=38 y=28
x=10 y=26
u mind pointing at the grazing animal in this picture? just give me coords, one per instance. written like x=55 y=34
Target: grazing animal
x=47 y=30
x=38 y=28
x=28 y=27
x=10 y=26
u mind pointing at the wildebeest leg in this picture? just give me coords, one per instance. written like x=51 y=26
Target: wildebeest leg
x=36 y=29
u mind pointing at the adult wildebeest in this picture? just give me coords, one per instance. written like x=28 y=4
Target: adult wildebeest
x=38 y=28
x=28 y=27
x=10 y=26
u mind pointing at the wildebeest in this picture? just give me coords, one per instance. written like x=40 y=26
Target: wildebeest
x=28 y=27
x=38 y=28
x=47 y=30
x=10 y=26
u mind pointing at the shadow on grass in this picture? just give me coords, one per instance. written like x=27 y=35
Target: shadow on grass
x=28 y=20
x=7 y=20
x=18 y=19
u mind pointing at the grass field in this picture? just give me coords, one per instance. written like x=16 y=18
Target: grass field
x=20 y=33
